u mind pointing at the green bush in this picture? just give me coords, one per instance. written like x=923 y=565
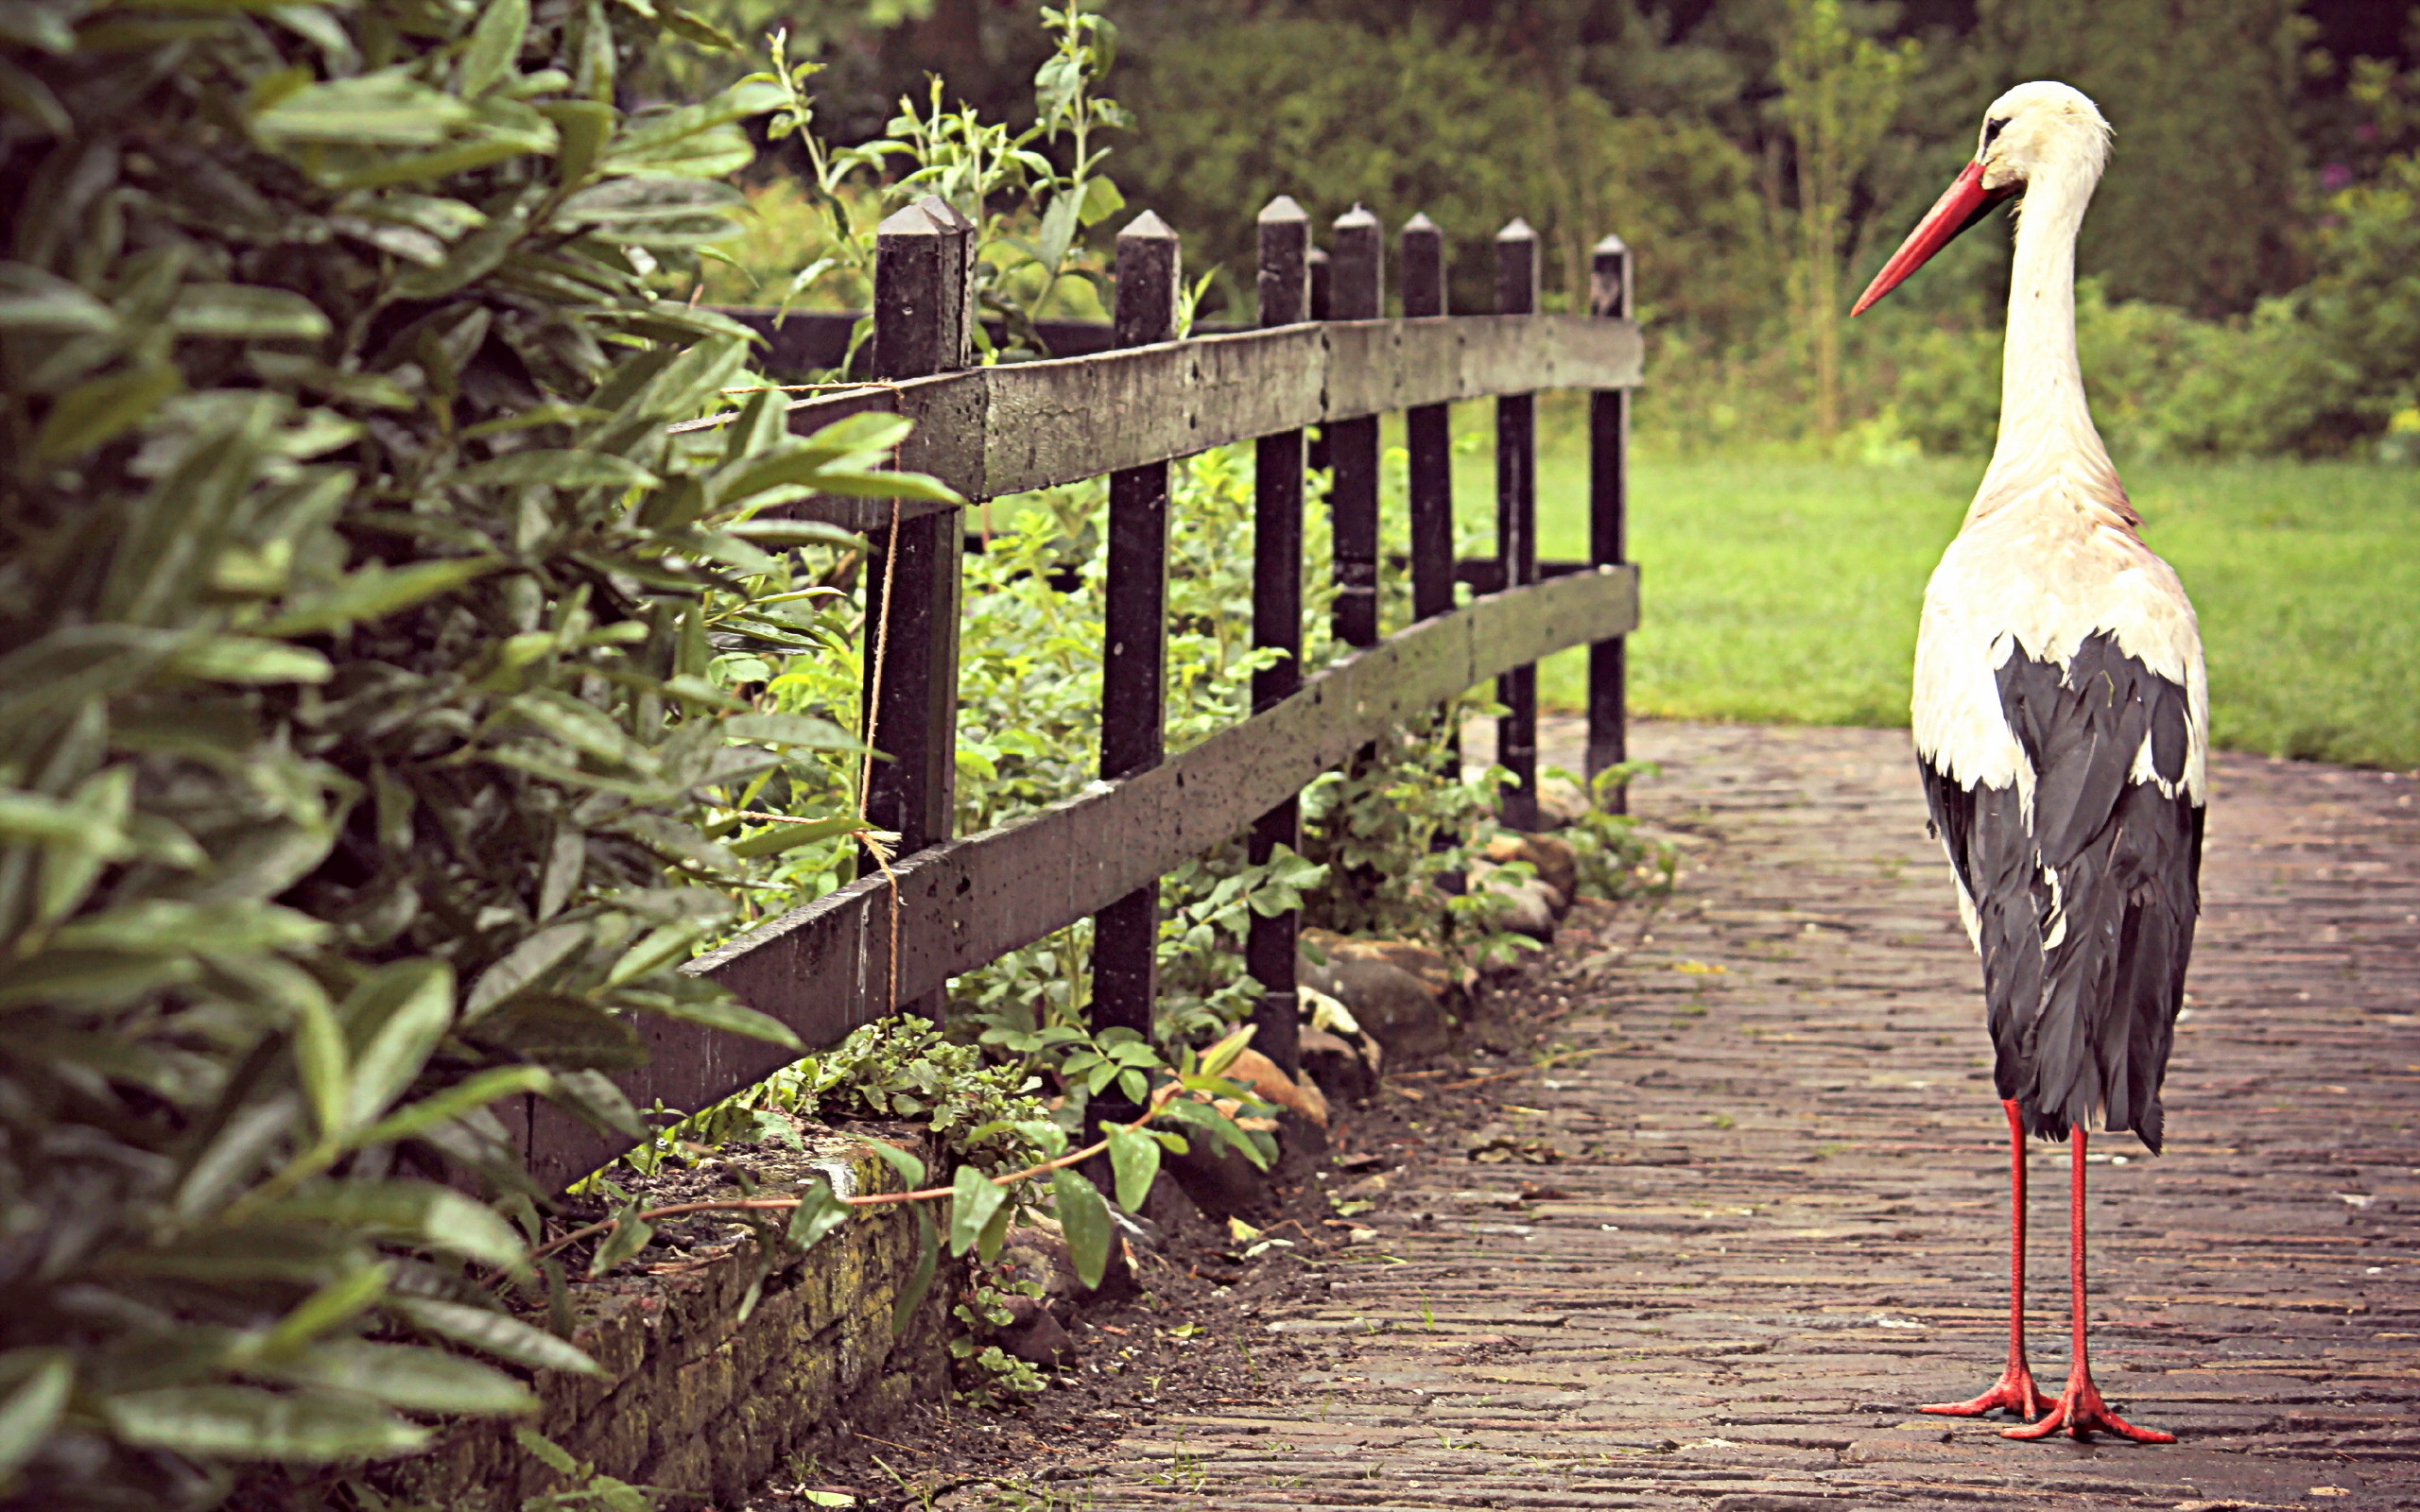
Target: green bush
x=355 y=612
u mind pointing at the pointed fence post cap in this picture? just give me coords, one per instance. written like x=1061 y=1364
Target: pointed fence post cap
x=909 y=220
x=946 y=216
x=1611 y=246
x=1355 y=219
x=1282 y=208
x=1148 y=227
x=1517 y=229
x=1420 y=222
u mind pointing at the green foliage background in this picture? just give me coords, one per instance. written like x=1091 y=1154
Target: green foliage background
x=356 y=597
x=2256 y=229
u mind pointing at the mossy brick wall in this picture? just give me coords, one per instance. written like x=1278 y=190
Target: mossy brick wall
x=693 y=1398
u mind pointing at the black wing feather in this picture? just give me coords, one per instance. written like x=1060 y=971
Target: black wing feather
x=2082 y=1027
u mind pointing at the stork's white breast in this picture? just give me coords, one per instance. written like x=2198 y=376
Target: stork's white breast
x=2036 y=575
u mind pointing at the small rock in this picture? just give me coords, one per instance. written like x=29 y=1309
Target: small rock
x=1271 y=1085
x=1533 y=903
x=1557 y=862
x=1032 y=1253
x=1038 y=1338
x=1352 y=1067
x=1560 y=801
x=1392 y=1006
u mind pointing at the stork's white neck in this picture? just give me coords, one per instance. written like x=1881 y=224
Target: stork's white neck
x=2046 y=427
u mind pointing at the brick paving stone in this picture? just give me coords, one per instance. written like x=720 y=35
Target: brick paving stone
x=1778 y=1218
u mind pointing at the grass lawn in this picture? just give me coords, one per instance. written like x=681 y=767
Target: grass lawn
x=1788 y=591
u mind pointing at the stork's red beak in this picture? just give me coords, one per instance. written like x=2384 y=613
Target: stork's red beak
x=1964 y=202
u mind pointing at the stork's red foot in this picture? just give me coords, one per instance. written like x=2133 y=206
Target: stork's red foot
x=2080 y=1411
x=2015 y=1391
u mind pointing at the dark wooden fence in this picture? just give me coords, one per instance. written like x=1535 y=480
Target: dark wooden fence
x=1138 y=399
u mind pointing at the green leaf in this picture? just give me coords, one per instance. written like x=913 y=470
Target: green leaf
x=547 y=1451
x=630 y=1236
x=247 y=1423
x=395 y=1019
x=321 y=1058
x=592 y=1097
x=1136 y=1157
x=920 y=1283
x=496 y=46
x=166 y=927
x=32 y=816
x=690 y=27
x=338 y=1302
x=560 y=469
x=975 y=1198
x=910 y=1169
x=244 y=659
x=561 y=1030
x=496 y=1333
x=818 y=1214
x=629 y=202
x=657 y=948
x=34 y=302
x=245 y=312
x=416 y=1212
x=879 y=485
x=33 y=1408
x=1102 y=200
x=374 y=592
x=388 y=109
x=802 y=731
x=407 y=1376
x=694 y=139
x=1084 y=1218
x=783 y=837
x=582 y=128
x=24 y=95
x=732 y=1018
x=462 y=1097
x=524 y=964
x=97 y=412
x=797 y=533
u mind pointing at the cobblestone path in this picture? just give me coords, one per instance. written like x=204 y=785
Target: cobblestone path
x=1776 y=1220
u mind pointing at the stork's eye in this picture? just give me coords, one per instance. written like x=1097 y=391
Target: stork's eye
x=1991 y=132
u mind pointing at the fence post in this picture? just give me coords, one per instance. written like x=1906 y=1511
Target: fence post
x=1610 y=296
x=1277 y=620
x=1322 y=272
x=1517 y=527
x=1428 y=435
x=1134 y=633
x=910 y=691
x=1357 y=291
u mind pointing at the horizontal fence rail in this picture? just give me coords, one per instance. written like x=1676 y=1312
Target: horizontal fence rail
x=992 y=431
x=1306 y=387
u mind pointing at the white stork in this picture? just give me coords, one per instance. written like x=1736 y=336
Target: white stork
x=2062 y=725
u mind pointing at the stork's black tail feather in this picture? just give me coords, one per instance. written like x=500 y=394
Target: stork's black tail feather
x=2084 y=898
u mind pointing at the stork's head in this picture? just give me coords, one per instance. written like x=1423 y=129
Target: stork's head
x=2034 y=133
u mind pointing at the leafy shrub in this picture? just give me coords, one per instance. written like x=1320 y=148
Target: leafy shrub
x=355 y=601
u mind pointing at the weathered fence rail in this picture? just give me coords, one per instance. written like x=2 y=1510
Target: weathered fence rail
x=1129 y=409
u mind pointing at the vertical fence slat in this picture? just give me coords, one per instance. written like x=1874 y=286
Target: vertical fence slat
x=1609 y=296
x=1277 y=618
x=1428 y=435
x=920 y=327
x=1134 y=633
x=1321 y=274
x=1357 y=291
x=1517 y=527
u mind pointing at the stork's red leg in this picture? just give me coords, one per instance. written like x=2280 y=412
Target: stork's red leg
x=2014 y=1390
x=2080 y=1409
